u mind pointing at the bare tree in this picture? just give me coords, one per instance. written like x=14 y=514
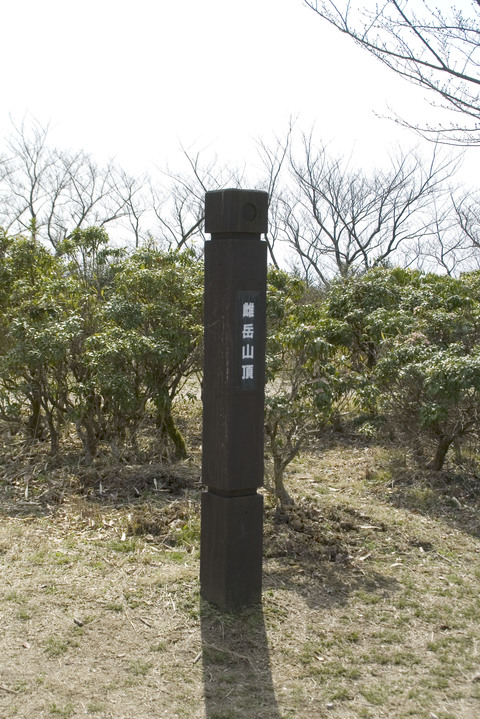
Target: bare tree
x=448 y=248
x=338 y=219
x=435 y=49
x=136 y=193
x=178 y=199
x=274 y=162
x=468 y=213
x=50 y=192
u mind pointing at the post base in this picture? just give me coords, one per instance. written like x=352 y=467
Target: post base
x=231 y=550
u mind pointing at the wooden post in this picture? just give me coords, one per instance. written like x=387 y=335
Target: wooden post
x=233 y=397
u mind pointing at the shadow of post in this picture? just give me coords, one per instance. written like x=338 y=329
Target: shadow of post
x=236 y=665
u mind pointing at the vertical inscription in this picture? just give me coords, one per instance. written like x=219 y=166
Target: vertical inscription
x=247 y=334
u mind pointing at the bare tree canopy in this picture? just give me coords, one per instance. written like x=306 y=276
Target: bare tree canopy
x=437 y=49
x=51 y=192
x=327 y=218
x=338 y=220
x=468 y=213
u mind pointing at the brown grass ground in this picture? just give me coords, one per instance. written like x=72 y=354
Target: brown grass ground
x=371 y=603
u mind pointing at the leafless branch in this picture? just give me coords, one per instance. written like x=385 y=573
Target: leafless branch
x=434 y=49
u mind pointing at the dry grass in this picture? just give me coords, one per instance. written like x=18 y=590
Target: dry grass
x=371 y=604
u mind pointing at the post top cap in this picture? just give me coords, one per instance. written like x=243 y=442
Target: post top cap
x=237 y=211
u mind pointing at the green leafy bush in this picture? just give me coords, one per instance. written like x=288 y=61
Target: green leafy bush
x=94 y=338
x=301 y=377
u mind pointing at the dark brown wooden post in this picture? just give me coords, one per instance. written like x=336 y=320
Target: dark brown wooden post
x=233 y=397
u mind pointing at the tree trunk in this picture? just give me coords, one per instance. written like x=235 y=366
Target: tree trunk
x=442 y=449
x=281 y=493
x=34 y=423
x=168 y=429
x=88 y=437
x=54 y=437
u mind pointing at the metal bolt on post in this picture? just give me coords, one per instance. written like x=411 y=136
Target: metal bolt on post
x=233 y=397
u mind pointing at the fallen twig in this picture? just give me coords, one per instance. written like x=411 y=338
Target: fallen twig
x=197 y=658
x=144 y=621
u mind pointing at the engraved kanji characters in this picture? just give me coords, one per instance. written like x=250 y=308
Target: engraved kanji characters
x=247 y=341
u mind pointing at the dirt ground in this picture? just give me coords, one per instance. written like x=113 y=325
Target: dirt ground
x=371 y=601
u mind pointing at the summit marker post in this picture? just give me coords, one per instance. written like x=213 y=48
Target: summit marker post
x=231 y=545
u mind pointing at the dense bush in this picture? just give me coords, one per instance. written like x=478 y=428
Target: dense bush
x=96 y=339
x=302 y=378
x=102 y=341
x=410 y=344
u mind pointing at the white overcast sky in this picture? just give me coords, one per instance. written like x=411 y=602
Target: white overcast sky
x=134 y=80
